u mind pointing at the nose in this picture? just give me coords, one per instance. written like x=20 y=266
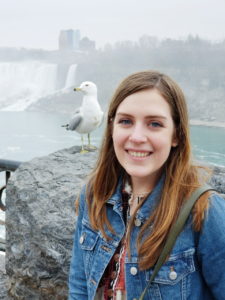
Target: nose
x=138 y=135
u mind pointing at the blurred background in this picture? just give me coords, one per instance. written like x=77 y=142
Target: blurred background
x=47 y=48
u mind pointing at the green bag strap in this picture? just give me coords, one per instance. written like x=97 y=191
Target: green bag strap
x=175 y=231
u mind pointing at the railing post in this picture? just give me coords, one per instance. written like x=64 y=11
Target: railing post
x=6 y=166
x=2 y=205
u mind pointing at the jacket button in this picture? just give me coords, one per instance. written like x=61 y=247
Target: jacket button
x=81 y=240
x=173 y=275
x=133 y=270
x=137 y=222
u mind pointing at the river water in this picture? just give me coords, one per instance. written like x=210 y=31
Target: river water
x=25 y=135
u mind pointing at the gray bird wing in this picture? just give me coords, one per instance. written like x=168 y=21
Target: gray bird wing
x=75 y=121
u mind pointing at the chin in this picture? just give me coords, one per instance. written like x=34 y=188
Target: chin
x=134 y=173
x=153 y=175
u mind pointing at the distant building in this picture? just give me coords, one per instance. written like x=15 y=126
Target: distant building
x=69 y=39
x=86 y=44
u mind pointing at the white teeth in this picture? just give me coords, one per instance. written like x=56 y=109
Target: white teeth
x=138 y=154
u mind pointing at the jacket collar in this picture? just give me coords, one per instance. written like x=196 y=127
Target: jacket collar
x=152 y=200
x=117 y=196
x=149 y=203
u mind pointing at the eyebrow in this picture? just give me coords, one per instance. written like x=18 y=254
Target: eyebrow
x=146 y=117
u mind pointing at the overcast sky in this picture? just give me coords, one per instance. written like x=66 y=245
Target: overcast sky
x=36 y=23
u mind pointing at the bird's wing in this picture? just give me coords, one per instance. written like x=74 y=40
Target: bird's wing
x=75 y=121
x=102 y=119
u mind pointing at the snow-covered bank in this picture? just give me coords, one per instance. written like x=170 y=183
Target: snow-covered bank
x=207 y=123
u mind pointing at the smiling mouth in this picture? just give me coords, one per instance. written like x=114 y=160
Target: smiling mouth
x=138 y=154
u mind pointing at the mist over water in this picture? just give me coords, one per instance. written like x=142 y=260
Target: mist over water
x=26 y=82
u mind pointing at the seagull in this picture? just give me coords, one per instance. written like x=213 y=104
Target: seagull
x=89 y=115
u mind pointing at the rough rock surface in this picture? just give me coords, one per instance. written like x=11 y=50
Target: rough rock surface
x=40 y=221
x=218 y=179
x=3 y=278
x=3 y=287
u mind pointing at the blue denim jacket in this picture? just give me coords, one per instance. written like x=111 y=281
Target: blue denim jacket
x=195 y=269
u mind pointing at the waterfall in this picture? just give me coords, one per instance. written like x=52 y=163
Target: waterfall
x=23 y=83
x=70 y=79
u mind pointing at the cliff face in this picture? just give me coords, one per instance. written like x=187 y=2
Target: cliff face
x=40 y=221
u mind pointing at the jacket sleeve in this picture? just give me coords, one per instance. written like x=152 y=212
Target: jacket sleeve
x=77 y=277
x=211 y=247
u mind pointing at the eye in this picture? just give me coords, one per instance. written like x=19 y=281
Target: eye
x=155 y=124
x=125 y=121
x=86 y=84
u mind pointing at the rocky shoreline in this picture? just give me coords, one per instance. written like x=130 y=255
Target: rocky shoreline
x=195 y=122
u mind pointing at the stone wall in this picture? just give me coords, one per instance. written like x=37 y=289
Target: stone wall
x=40 y=222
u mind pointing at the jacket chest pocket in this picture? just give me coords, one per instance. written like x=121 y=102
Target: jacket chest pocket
x=173 y=278
x=88 y=240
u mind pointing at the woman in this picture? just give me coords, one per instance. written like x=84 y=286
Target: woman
x=142 y=176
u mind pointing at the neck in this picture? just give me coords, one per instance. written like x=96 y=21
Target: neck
x=141 y=186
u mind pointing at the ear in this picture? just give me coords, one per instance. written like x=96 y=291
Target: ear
x=174 y=140
x=174 y=144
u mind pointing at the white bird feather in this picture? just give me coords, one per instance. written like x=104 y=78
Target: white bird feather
x=89 y=115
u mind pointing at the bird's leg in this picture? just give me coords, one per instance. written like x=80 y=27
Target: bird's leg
x=82 y=145
x=89 y=142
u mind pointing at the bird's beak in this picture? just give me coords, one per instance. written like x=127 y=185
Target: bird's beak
x=77 y=89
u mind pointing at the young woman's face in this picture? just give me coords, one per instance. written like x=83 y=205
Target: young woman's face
x=143 y=134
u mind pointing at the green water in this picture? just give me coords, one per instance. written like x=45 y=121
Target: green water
x=25 y=135
x=208 y=144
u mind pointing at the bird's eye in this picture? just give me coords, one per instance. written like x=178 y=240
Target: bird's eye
x=86 y=84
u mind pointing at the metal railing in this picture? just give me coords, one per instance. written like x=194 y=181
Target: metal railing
x=7 y=166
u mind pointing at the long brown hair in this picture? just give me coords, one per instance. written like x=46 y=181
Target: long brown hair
x=181 y=176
